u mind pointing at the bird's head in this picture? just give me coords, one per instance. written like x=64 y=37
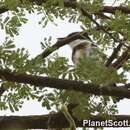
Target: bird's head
x=82 y=39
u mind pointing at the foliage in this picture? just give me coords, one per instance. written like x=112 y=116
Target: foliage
x=100 y=75
x=90 y=70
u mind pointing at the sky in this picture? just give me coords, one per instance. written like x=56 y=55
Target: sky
x=31 y=34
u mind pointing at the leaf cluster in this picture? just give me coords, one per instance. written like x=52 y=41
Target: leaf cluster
x=90 y=70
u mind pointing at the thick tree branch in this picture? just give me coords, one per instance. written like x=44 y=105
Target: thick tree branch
x=61 y=84
x=111 y=9
x=41 y=121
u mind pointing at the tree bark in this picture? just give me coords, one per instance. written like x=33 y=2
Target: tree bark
x=79 y=86
x=57 y=121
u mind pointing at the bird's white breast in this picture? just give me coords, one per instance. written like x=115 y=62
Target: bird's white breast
x=80 y=53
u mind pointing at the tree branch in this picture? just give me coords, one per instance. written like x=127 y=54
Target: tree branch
x=113 y=55
x=41 y=121
x=121 y=60
x=111 y=9
x=61 y=84
x=2 y=90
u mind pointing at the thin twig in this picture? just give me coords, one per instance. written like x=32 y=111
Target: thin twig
x=114 y=54
x=121 y=60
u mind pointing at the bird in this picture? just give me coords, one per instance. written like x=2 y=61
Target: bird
x=81 y=47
